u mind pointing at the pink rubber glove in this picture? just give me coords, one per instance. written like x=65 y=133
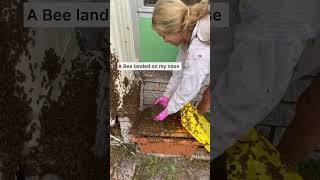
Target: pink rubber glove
x=161 y=116
x=163 y=101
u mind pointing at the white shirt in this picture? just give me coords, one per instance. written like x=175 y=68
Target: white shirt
x=184 y=85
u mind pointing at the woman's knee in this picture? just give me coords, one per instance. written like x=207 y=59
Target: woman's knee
x=206 y=95
x=310 y=99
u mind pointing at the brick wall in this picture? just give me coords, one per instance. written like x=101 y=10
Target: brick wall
x=276 y=122
x=274 y=126
x=154 y=85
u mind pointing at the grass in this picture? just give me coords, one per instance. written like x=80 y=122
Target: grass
x=168 y=168
x=152 y=166
x=172 y=172
x=119 y=152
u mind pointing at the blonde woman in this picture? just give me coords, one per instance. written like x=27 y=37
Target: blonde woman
x=189 y=28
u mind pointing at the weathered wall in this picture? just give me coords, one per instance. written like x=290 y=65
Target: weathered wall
x=50 y=100
x=122 y=50
x=125 y=87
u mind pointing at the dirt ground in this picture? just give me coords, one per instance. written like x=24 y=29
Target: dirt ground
x=124 y=165
x=145 y=125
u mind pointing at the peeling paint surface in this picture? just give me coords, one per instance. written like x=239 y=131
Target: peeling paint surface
x=34 y=83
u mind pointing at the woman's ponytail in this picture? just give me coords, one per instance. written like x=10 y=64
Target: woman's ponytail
x=171 y=16
x=194 y=13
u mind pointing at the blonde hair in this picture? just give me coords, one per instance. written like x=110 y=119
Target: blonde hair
x=171 y=16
